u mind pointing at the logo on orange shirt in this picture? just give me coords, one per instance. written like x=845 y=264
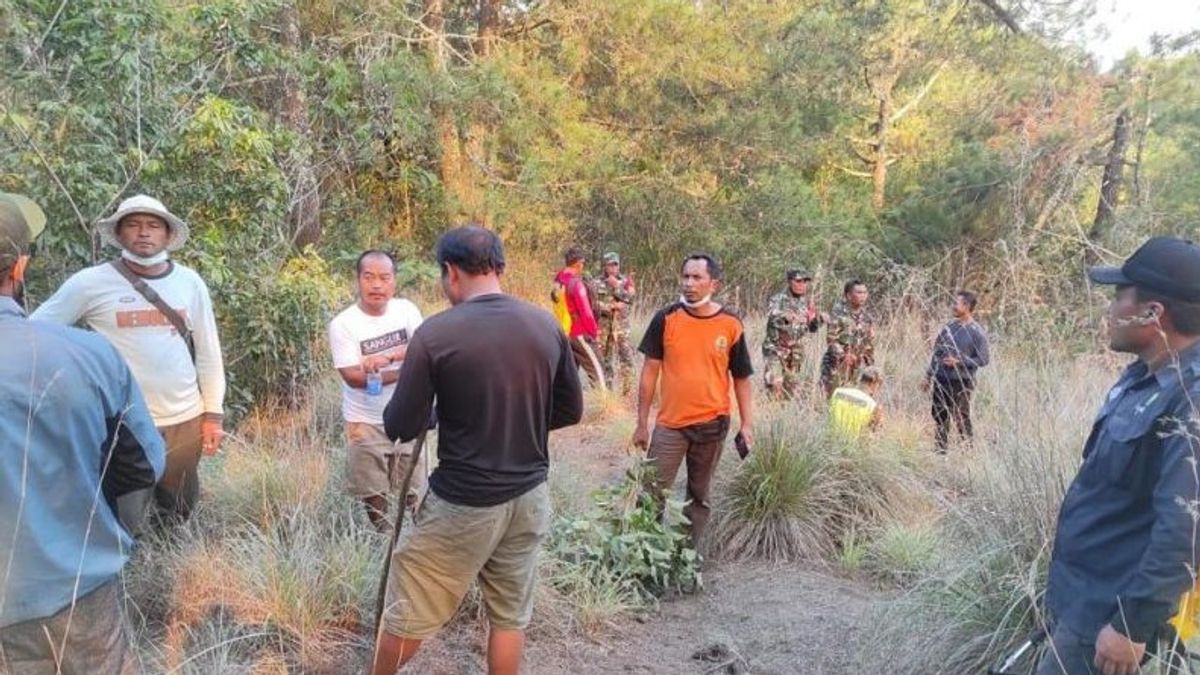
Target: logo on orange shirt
x=722 y=343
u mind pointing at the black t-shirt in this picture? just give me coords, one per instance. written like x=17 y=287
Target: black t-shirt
x=504 y=377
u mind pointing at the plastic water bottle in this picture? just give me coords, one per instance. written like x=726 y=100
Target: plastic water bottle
x=374 y=384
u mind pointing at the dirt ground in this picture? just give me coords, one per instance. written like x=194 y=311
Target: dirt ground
x=749 y=618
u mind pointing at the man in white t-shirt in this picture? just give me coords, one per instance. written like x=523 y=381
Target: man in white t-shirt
x=369 y=340
x=182 y=377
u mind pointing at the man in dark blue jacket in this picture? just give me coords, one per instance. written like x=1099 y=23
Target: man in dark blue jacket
x=1126 y=545
x=959 y=351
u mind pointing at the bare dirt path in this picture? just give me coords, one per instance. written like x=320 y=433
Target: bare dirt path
x=749 y=618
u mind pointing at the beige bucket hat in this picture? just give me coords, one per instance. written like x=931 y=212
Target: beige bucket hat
x=107 y=227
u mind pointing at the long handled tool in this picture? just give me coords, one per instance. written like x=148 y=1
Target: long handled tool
x=597 y=368
x=1031 y=643
x=418 y=445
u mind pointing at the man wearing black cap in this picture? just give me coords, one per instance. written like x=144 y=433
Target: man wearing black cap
x=791 y=315
x=1126 y=545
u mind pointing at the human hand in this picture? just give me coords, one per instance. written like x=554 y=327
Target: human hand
x=372 y=363
x=641 y=437
x=1116 y=654
x=951 y=361
x=212 y=432
x=747 y=435
x=926 y=385
x=397 y=355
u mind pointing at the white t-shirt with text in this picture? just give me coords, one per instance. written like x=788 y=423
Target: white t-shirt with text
x=354 y=334
x=176 y=390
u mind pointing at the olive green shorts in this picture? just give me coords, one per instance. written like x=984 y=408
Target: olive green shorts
x=377 y=466
x=449 y=546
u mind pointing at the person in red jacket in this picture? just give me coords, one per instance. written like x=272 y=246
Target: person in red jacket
x=584 y=327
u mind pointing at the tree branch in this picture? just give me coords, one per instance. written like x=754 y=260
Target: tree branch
x=1004 y=15
x=852 y=172
x=920 y=95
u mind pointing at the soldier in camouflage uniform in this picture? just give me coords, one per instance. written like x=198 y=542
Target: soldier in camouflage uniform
x=791 y=315
x=851 y=338
x=614 y=296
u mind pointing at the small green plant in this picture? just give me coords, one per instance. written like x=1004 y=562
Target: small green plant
x=902 y=553
x=625 y=547
x=853 y=551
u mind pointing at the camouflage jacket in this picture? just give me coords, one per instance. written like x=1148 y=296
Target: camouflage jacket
x=790 y=318
x=607 y=295
x=854 y=331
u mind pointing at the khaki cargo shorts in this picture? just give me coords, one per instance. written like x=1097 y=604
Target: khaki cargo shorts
x=376 y=466
x=451 y=545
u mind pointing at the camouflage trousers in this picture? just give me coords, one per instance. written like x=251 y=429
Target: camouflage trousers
x=616 y=352
x=782 y=370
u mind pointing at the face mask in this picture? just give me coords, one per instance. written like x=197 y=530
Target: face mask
x=697 y=304
x=159 y=258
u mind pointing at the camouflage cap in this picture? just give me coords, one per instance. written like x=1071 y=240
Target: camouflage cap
x=611 y=257
x=797 y=273
x=21 y=221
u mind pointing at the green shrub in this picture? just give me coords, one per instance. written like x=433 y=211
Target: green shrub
x=902 y=553
x=853 y=552
x=782 y=501
x=624 y=551
x=275 y=347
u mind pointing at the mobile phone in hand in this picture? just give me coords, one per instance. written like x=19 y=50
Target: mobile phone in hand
x=739 y=442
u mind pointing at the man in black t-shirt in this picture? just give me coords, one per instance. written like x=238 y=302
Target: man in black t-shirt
x=504 y=376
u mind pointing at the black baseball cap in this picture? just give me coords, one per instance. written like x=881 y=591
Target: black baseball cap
x=1165 y=265
x=795 y=274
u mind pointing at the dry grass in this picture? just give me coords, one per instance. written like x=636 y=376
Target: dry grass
x=993 y=530
x=277 y=571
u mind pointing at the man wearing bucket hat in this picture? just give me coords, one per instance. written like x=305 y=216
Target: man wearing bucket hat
x=614 y=296
x=159 y=316
x=76 y=436
x=791 y=314
x=1126 y=547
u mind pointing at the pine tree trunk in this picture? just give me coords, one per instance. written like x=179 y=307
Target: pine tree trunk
x=304 y=207
x=450 y=164
x=1110 y=183
x=477 y=155
x=880 y=168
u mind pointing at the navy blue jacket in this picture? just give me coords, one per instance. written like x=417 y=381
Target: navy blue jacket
x=1126 y=541
x=968 y=342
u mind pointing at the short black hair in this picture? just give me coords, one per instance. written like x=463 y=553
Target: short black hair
x=371 y=252
x=573 y=255
x=850 y=285
x=710 y=263
x=1185 y=316
x=473 y=249
x=967 y=297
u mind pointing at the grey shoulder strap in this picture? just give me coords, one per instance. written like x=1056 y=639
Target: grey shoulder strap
x=152 y=296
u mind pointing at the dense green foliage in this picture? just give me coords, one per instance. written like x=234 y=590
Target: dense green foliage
x=872 y=138
x=624 y=545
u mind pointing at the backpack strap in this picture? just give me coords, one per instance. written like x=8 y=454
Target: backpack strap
x=152 y=296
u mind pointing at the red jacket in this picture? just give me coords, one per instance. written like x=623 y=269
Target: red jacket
x=583 y=322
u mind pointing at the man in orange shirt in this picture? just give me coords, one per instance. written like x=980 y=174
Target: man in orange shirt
x=698 y=347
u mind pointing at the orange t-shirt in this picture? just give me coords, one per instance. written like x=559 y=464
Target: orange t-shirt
x=698 y=354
